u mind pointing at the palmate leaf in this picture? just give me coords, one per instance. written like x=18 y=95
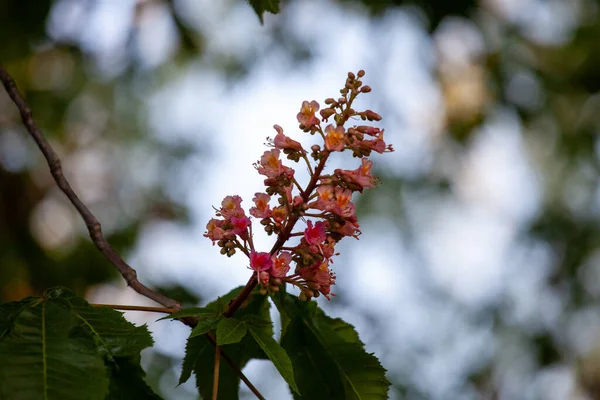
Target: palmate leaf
x=275 y=352
x=60 y=347
x=230 y=330
x=200 y=352
x=127 y=381
x=329 y=360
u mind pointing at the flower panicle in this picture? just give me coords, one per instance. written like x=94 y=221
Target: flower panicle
x=324 y=204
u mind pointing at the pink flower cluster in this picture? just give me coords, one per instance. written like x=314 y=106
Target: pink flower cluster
x=326 y=198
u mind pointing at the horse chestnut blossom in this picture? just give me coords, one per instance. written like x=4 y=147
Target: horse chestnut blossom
x=324 y=204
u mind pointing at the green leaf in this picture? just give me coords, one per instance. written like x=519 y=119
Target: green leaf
x=194 y=349
x=328 y=357
x=128 y=381
x=219 y=305
x=260 y=6
x=200 y=352
x=276 y=354
x=198 y=312
x=230 y=330
x=205 y=325
x=60 y=347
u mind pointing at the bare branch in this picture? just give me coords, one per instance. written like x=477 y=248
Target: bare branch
x=95 y=230
x=91 y=222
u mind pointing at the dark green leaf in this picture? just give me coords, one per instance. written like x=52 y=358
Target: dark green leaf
x=230 y=330
x=60 y=347
x=205 y=325
x=41 y=359
x=276 y=354
x=328 y=357
x=200 y=352
x=260 y=6
x=219 y=305
x=194 y=349
x=113 y=334
x=128 y=381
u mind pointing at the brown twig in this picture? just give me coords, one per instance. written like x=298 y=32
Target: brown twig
x=137 y=308
x=217 y=367
x=90 y=220
x=235 y=368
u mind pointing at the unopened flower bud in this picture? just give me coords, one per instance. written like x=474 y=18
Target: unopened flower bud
x=365 y=89
x=342 y=100
x=315 y=147
x=361 y=73
x=263 y=291
x=372 y=115
x=327 y=112
x=329 y=100
x=351 y=75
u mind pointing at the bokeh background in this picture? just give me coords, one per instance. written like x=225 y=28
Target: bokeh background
x=478 y=272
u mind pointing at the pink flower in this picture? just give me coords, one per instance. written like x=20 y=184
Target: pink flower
x=315 y=235
x=284 y=142
x=214 y=231
x=348 y=228
x=325 y=197
x=240 y=225
x=231 y=207
x=262 y=209
x=334 y=199
x=260 y=261
x=270 y=165
x=306 y=116
x=343 y=203
x=318 y=277
x=334 y=141
x=360 y=178
x=279 y=214
x=281 y=265
x=366 y=146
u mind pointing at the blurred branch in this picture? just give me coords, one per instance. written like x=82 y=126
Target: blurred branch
x=90 y=220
